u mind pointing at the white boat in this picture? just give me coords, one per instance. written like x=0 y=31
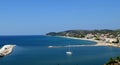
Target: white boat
x=50 y=46
x=6 y=49
x=69 y=52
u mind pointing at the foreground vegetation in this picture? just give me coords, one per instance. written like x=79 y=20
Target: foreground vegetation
x=113 y=61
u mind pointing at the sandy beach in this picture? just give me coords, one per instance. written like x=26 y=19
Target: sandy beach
x=99 y=43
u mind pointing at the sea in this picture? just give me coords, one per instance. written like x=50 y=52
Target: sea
x=33 y=50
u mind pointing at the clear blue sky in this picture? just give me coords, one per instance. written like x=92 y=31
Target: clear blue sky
x=33 y=17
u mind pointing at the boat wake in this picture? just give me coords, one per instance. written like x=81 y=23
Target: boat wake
x=72 y=46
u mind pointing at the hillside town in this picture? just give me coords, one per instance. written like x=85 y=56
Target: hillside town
x=106 y=36
x=102 y=37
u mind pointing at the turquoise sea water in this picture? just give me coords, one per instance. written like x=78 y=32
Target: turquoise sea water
x=33 y=50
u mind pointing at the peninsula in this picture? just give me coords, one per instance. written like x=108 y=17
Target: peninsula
x=6 y=49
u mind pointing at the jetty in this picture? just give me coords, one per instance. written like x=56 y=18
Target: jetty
x=6 y=49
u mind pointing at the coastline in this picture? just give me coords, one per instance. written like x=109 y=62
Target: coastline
x=98 y=43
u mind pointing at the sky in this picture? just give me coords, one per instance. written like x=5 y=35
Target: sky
x=37 y=17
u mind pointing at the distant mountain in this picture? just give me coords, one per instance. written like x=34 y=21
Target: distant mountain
x=83 y=32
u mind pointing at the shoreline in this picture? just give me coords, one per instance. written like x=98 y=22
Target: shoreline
x=98 y=43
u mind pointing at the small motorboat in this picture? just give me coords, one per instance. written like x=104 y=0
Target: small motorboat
x=69 y=53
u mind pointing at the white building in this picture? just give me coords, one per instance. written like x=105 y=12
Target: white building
x=110 y=40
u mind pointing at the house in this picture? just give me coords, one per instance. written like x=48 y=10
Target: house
x=89 y=36
x=111 y=40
